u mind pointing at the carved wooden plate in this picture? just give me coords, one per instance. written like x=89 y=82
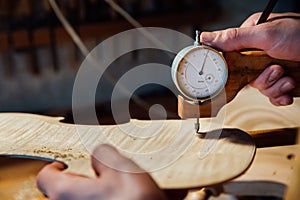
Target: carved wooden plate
x=169 y=150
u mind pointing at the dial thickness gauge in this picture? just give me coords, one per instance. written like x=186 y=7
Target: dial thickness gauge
x=199 y=72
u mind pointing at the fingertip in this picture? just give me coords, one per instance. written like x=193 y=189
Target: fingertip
x=223 y=40
x=58 y=165
x=283 y=100
x=268 y=77
x=231 y=39
x=207 y=38
x=104 y=151
x=101 y=157
x=102 y=148
x=50 y=169
x=107 y=158
x=49 y=173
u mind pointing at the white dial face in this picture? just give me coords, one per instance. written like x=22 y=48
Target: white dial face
x=201 y=73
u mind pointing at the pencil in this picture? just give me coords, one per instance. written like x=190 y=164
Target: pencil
x=267 y=11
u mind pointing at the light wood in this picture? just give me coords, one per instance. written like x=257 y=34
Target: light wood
x=293 y=191
x=241 y=113
x=18 y=178
x=243 y=67
x=190 y=162
x=269 y=174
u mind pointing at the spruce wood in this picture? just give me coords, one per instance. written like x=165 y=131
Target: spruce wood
x=243 y=67
x=199 y=161
x=292 y=191
x=269 y=175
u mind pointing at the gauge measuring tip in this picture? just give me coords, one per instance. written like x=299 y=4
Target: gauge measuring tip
x=197 y=125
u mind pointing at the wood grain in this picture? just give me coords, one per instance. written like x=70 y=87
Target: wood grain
x=269 y=175
x=241 y=113
x=292 y=191
x=175 y=156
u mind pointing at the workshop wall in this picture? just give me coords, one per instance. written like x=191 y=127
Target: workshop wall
x=39 y=61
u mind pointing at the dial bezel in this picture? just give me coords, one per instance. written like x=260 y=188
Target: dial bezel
x=179 y=59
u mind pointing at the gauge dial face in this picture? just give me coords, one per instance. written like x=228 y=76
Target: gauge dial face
x=200 y=73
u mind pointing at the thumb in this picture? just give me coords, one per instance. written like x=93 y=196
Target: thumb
x=235 y=39
x=106 y=159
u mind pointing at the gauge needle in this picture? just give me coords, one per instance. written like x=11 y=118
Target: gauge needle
x=201 y=71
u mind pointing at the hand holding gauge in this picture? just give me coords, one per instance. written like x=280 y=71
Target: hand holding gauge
x=243 y=67
x=200 y=73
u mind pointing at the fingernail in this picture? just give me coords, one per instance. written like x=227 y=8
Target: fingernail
x=275 y=75
x=207 y=37
x=286 y=87
x=285 y=102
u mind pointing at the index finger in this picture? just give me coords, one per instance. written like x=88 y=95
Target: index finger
x=56 y=184
x=49 y=175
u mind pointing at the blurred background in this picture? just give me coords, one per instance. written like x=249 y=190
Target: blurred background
x=39 y=60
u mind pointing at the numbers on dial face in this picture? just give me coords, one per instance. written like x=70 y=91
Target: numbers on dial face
x=202 y=73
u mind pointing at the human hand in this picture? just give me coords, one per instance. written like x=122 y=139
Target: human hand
x=109 y=184
x=279 y=38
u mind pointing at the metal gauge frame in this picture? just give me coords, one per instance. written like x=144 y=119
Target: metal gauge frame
x=181 y=80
